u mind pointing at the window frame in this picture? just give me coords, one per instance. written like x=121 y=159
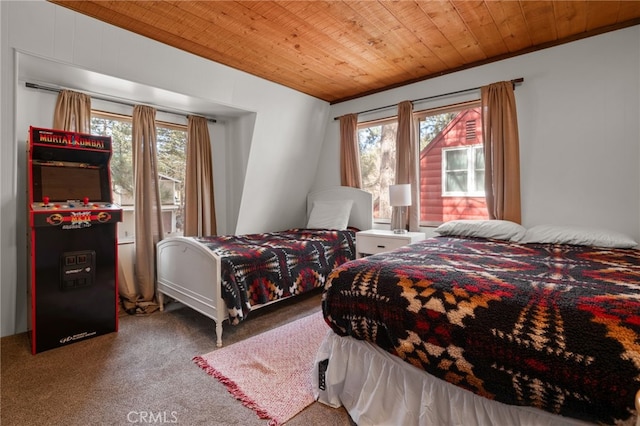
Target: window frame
x=373 y=123
x=471 y=172
x=101 y=114
x=417 y=117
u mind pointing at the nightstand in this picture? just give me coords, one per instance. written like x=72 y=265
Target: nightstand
x=379 y=240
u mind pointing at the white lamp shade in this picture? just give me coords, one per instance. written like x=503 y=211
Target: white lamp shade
x=400 y=195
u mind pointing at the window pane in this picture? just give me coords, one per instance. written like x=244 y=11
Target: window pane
x=479 y=158
x=456 y=182
x=171 y=171
x=121 y=156
x=451 y=164
x=377 y=143
x=457 y=160
x=171 y=149
x=479 y=183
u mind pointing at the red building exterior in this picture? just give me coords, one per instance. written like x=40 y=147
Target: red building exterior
x=463 y=130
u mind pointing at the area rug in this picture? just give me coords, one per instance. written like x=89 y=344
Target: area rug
x=271 y=373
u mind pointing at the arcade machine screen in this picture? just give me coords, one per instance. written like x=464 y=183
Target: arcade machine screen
x=67 y=182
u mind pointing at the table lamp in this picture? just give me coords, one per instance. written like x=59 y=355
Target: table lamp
x=399 y=198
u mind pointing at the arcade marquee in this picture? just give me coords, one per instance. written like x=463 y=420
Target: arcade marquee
x=72 y=238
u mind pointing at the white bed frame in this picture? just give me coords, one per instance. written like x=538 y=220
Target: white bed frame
x=189 y=272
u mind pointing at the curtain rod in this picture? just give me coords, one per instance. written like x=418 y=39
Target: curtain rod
x=121 y=102
x=514 y=82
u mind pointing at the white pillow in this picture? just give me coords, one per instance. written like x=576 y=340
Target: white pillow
x=494 y=229
x=330 y=214
x=559 y=234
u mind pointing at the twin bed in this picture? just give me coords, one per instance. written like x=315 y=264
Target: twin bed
x=225 y=277
x=525 y=327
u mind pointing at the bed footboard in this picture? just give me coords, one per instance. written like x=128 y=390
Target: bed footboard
x=190 y=273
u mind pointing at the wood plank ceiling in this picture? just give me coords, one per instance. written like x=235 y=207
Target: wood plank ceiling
x=340 y=50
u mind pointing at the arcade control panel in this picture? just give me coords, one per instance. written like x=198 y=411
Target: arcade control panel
x=74 y=214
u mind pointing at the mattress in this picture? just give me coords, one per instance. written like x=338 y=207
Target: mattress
x=261 y=268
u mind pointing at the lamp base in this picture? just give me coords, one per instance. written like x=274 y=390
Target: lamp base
x=398 y=220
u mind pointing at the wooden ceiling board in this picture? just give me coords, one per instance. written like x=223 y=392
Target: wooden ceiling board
x=347 y=36
x=414 y=18
x=541 y=22
x=415 y=58
x=602 y=12
x=318 y=51
x=388 y=40
x=339 y=50
x=510 y=20
x=306 y=50
x=628 y=11
x=481 y=24
x=279 y=59
x=447 y=19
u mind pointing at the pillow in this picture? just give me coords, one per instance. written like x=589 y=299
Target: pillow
x=494 y=229
x=330 y=214
x=558 y=234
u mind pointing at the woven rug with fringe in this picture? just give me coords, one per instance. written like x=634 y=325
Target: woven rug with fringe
x=271 y=373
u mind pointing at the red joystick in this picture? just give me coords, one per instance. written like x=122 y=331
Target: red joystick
x=85 y=200
x=45 y=201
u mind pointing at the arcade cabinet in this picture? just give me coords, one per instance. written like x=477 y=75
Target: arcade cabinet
x=72 y=238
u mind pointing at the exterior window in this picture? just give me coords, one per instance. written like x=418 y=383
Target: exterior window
x=377 y=144
x=463 y=172
x=171 y=152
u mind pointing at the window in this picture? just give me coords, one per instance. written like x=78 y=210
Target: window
x=171 y=152
x=377 y=144
x=463 y=171
x=451 y=163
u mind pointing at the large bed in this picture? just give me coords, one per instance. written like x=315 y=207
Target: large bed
x=461 y=330
x=225 y=277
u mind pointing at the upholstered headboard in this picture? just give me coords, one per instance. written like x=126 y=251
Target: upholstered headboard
x=361 y=216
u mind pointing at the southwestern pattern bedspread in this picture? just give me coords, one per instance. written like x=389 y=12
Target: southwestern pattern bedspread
x=259 y=268
x=551 y=326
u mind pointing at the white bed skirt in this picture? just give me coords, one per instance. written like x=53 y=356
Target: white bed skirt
x=377 y=388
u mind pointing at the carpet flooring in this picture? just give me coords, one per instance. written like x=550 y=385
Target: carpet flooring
x=271 y=372
x=142 y=374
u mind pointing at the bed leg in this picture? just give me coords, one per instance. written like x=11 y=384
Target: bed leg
x=219 y=336
x=161 y=301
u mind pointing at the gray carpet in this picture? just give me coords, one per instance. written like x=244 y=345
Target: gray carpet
x=142 y=374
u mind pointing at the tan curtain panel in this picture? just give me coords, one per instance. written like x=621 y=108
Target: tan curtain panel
x=72 y=112
x=139 y=297
x=199 y=203
x=349 y=152
x=407 y=168
x=501 y=151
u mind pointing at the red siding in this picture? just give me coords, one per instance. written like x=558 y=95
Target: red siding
x=434 y=207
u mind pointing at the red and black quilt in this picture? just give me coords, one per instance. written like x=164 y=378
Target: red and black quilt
x=555 y=327
x=260 y=268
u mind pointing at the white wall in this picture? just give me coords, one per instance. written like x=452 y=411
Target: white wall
x=578 y=115
x=267 y=153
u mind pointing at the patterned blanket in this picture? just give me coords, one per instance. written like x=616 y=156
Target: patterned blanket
x=550 y=326
x=259 y=268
